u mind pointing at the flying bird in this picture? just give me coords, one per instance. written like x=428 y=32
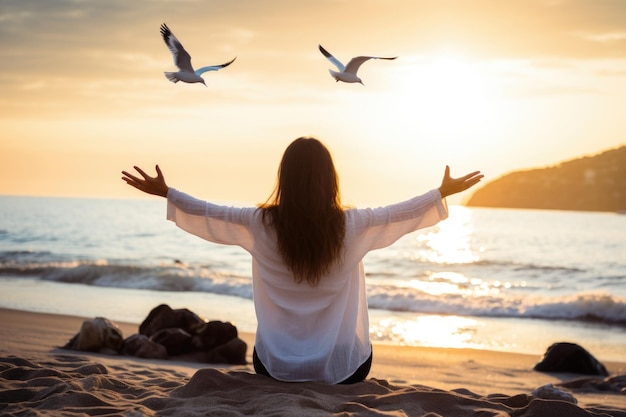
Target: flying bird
x=182 y=59
x=347 y=73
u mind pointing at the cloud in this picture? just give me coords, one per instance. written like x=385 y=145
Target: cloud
x=605 y=37
x=71 y=52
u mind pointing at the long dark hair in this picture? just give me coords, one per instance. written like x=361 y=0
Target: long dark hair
x=305 y=210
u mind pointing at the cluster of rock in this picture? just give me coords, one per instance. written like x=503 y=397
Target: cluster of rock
x=166 y=333
x=571 y=358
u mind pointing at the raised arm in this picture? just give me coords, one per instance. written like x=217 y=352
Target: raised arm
x=451 y=185
x=147 y=184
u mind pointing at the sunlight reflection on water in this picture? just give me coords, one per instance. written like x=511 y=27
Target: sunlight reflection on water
x=427 y=330
x=450 y=243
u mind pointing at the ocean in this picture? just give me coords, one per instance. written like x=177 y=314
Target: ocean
x=496 y=279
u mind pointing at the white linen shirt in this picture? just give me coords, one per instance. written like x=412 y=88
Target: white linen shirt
x=308 y=333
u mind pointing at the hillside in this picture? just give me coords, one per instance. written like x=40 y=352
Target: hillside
x=591 y=183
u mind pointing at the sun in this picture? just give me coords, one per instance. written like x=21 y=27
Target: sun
x=446 y=93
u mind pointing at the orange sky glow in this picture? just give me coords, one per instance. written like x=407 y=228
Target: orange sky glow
x=478 y=84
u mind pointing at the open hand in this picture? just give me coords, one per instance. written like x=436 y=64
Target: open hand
x=151 y=185
x=451 y=185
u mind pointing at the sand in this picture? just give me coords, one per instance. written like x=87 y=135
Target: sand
x=37 y=378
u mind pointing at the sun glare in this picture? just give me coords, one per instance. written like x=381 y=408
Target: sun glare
x=451 y=242
x=426 y=330
x=447 y=93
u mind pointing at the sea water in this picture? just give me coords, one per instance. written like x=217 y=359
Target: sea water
x=499 y=279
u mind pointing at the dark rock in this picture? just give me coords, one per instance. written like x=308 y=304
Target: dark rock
x=232 y=352
x=213 y=334
x=141 y=346
x=164 y=317
x=570 y=357
x=615 y=384
x=176 y=341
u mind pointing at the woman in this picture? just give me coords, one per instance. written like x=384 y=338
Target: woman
x=307 y=250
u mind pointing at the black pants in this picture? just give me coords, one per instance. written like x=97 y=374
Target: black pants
x=358 y=376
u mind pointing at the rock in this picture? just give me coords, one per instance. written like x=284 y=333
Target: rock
x=176 y=341
x=614 y=384
x=164 y=317
x=213 y=334
x=570 y=357
x=141 y=346
x=549 y=392
x=97 y=335
x=232 y=352
x=166 y=333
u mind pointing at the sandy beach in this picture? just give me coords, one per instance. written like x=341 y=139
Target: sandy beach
x=39 y=378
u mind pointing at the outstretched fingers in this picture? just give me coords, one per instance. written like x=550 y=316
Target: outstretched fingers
x=141 y=171
x=151 y=185
x=472 y=179
x=133 y=180
x=451 y=185
x=129 y=177
x=473 y=174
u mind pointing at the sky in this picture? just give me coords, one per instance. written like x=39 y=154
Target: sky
x=490 y=85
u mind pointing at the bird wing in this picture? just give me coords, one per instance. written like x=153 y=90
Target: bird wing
x=332 y=59
x=182 y=59
x=355 y=63
x=202 y=70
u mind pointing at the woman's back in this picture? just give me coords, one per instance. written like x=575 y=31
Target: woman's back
x=308 y=333
x=307 y=271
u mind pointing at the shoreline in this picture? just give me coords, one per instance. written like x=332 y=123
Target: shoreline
x=36 y=337
x=519 y=335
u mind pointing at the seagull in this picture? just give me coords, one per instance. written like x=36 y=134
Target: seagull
x=182 y=59
x=347 y=73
